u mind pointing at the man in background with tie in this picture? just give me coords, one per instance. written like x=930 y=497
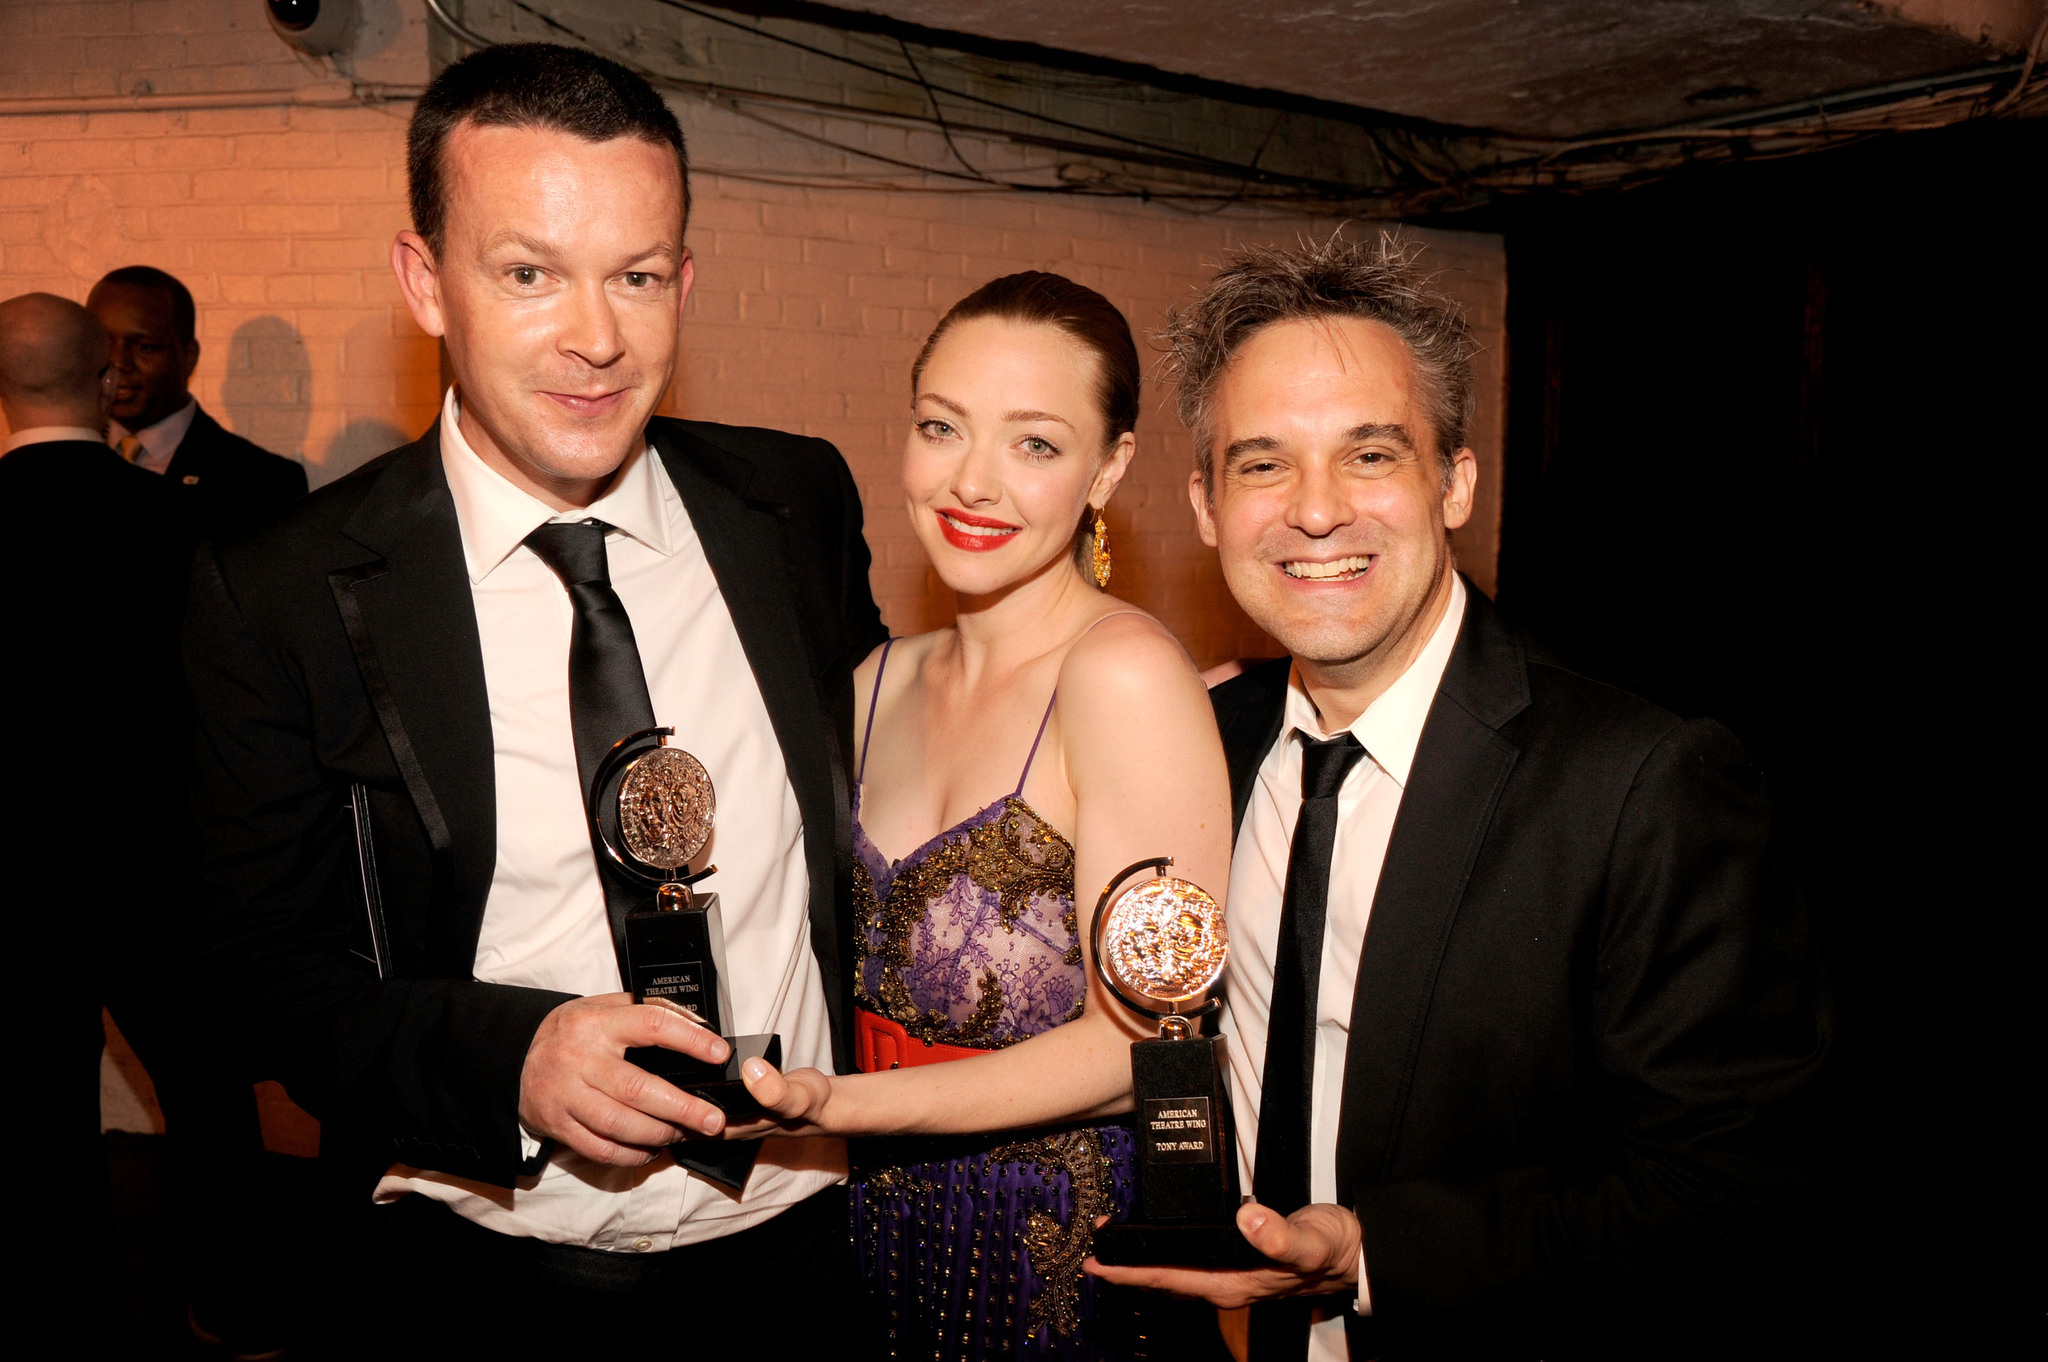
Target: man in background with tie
x=157 y=424
x=1524 y=1023
x=404 y=684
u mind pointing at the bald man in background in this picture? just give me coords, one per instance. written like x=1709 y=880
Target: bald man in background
x=93 y=564
x=89 y=569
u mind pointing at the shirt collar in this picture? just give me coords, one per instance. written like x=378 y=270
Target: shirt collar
x=163 y=438
x=1391 y=727
x=495 y=516
x=43 y=435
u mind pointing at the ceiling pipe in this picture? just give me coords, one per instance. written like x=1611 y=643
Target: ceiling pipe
x=328 y=95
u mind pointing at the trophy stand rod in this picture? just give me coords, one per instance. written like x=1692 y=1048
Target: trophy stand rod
x=674 y=896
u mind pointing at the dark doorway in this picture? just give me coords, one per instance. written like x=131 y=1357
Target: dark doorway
x=1773 y=431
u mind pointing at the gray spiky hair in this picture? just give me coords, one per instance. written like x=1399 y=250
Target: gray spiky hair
x=1340 y=276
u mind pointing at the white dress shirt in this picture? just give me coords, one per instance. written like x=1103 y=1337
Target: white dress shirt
x=159 y=442
x=545 y=924
x=1389 y=730
x=43 y=435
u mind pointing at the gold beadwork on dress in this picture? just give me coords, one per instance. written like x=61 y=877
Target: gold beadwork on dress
x=1016 y=856
x=1057 y=1251
x=899 y=1182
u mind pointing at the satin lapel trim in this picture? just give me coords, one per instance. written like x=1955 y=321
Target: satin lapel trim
x=742 y=541
x=411 y=623
x=1460 y=768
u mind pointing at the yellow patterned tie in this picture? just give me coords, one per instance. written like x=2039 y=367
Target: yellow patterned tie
x=130 y=448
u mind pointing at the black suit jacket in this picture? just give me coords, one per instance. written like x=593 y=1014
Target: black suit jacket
x=226 y=480
x=1587 y=1025
x=337 y=644
x=93 y=554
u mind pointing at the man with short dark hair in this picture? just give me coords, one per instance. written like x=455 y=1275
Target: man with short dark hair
x=1522 y=1013
x=405 y=686
x=157 y=423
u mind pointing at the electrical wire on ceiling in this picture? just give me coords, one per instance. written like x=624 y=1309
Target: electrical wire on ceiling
x=1400 y=165
x=1193 y=180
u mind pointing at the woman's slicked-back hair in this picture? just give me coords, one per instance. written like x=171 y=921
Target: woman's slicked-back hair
x=1340 y=277
x=1080 y=312
x=530 y=85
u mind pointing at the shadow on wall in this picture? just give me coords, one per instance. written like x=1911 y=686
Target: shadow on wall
x=268 y=392
x=357 y=444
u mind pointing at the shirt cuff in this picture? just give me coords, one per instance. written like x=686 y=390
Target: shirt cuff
x=529 y=1149
x=1363 y=1305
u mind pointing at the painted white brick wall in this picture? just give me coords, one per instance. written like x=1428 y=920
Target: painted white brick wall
x=809 y=308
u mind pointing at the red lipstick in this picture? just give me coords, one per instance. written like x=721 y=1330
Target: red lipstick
x=959 y=529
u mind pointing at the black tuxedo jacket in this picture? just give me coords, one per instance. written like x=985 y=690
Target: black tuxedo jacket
x=335 y=644
x=1586 y=1026
x=227 y=480
x=93 y=555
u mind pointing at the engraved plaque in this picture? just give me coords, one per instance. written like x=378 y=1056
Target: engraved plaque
x=1178 y=1130
x=666 y=808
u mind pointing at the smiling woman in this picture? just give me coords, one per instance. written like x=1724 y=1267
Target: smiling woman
x=1040 y=310
x=1051 y=736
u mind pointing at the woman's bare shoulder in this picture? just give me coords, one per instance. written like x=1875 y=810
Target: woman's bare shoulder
x=1127 y=655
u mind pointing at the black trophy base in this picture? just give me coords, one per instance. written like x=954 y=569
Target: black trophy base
x=1212 y=1246
x=719 y=1084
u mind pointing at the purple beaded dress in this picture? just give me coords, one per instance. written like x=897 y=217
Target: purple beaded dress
x=973 y=1246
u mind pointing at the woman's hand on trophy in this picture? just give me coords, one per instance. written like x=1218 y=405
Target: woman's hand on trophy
x=796 y=1101
x=578 y=1089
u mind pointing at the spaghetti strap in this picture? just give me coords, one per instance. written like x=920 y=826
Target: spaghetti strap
x=868 y=734
x=1018 y=793
x=1025 y=775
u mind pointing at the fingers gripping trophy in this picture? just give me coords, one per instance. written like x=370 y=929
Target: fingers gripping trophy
x=663 y=809
x=1159 y=949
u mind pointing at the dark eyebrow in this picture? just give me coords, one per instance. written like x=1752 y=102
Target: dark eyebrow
x=542 y=250
x=1391 y=431
x=519 y=239
x=1038 y=416
x=948 y=403
x=660 y=249
x=1256 y=444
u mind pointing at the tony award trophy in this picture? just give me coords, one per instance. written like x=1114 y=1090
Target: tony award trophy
x=660 y=816
x=1159 y=947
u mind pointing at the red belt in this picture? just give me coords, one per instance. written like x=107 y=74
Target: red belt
x=880 y=1044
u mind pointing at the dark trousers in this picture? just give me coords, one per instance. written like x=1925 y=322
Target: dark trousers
x=219 y=1180
x=425 y=1283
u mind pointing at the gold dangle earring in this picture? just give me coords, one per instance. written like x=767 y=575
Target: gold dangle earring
x=1101 y=565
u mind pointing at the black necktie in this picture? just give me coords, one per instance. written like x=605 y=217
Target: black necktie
x=607 y=687
x=1280 y=1176
x=608 y=701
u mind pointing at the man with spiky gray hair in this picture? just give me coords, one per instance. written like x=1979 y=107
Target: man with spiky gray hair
x=1524 y=1023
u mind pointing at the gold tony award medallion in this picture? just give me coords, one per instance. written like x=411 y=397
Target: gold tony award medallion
x=1160 y=947
x=652 y=808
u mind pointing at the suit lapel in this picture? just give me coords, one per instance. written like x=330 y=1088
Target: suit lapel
x=189 y=459
x=412 y=625
x=742 y=526
x=1249 y=709
x=1460 y=768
